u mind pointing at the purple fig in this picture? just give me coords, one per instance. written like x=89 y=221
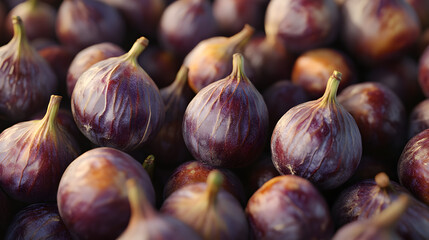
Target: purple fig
x=424 y=72
x=421 y=7
x=419 y=119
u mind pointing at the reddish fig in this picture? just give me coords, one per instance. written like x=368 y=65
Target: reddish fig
x=116 y=104
x=419 y=119
x=226 y=123
x=318 y=140
x=424 y=72
x=421 y=7
x=34 y=155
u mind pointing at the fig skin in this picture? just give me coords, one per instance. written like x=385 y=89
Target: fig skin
x=318 y=140
x=413 y=166
x=33 y=156
x=88 y=57
x=184 y=24
x=116 y=104
x=226 y=123
x=421 y=7
x=27 y=79
x=92 y=197
x=302 y=25
x=38 y=221
x=289 y=207
x=419 y=119
x=424 y=72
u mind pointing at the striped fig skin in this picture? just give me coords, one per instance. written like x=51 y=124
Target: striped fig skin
x=318 y=140
x=226 y=123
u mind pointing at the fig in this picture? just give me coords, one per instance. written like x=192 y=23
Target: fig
x=38 y=221
x=313 y=68
x=259 y=173
x=116 y=104
x=421 y=7
x=413 y=166
x=92 y=197
x=215 y=52
x=208 y=209
x=88 y=57
x=378 y=227
x=424 y=72
x=302 y=25
x=37 y=17
x=27 y=81
x=226 y=123
x=33 y=156
x=82 y=23
x=419 y=119
x=318 y=140
x=184 y=24
x=147 y=223
x=380 y=30
x=370 y=197
x=289 y=207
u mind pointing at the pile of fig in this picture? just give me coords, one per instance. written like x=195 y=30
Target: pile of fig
x=214 y=119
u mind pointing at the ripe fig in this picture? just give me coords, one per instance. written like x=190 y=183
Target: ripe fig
x=424 y=72
x=226 y=123
x=413 y=166
x=419 y=119
x=184 y=24
x=421 y=7
x=208 y=209
x=147 y=223
x=215 y=52
x=27 y=81
x=92 y=197
x=116 y=104
x=34 y=155
x=318 y=140
x=289 y=207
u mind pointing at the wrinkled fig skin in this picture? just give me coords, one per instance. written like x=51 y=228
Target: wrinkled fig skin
x=185 y=23
x=313 y=68
x=289 y=207
x=82 y=23
x=368 y=198
x=195 y=172
x=378 y=30
x=318 y=140
x=419 y=119
x=26 y=79
x=226 y=123
x=116 y=104
x=34 y=155
x=88 y=57
x=92 y=197
x=424 y=72
x=38 y=221
x=413 y=166
x=379 y=113
x=302 y=25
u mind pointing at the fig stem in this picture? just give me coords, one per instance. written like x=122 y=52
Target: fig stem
x=137 y=48
x=19 y=32
x=33 y=3
x=149 y=165
x=330 y=95
x=238 y=67
x=140 y=207
x=52 y=111
x=214 y=183
x=382 y=180
x=181 y=79
x=241 y=38
x=391 y=215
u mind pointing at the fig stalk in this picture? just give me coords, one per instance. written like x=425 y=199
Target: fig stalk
x=149 y=165
x=241 y=38
x=330 y=95
x=391 y=215
x=138 y=47
x=140 y=207
x=214 y=184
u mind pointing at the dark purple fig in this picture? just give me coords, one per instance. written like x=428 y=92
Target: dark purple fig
x=371 y=165
x=88 y=57
x=82 y=23
x=318 y=140
x=259 y=173
x=226 y=123
x=168 y=146
x=37 y=17
x=289 y=207
x=196 y=172
x=421 y=7
x=419 y=119
x=215 y=52
x=413 y=166
x=208 y=209
x=378 y=227
x=34 y=155
x=302 y=25
x=184 y=24
x=27 y=81
x=424 y=72
x=370 y=197
x=378 y=30
x=147 y=223
x=38 y=221
x=380 y=115
x=313 y=68
x=92 y=197
x=116 y=104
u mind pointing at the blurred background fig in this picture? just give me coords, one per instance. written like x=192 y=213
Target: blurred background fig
x=258 y=174
x=424 y=72
x=318 y=140
x=421 y=7
x=208 y=209
x=418 y=119
x=289 y=207
x=92 y=196
x=115 y=103
x=226 y=123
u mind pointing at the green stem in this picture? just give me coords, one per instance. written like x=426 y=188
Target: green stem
x=241 y=38
x=33 y=3
x=19 y=33
x=140 y=207
x=238 y=67
x=52 y=111
x=136 y=50
x=330 y=95
x=149 y=165
x=180 y=80
x=214 y=184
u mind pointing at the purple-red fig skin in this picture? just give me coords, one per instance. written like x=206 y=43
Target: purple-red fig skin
x=418 y=119
x=424 y=72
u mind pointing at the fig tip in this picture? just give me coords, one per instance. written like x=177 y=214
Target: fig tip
x=337 y=74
